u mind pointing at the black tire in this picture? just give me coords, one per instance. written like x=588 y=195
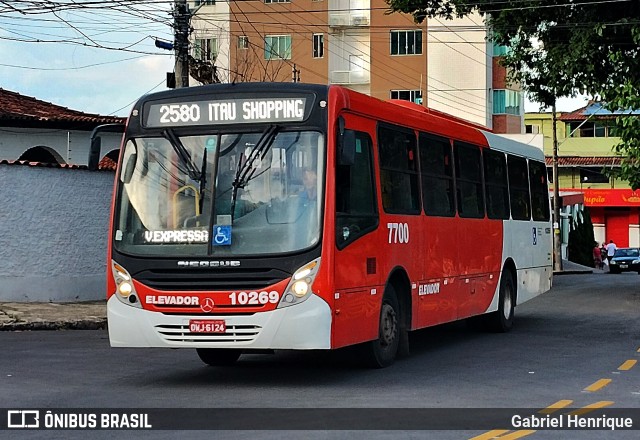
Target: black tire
x=501 y=320
x=217 y=357
x=382 y=352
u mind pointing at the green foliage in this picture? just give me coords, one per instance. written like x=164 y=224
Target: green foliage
x=562 y=48
x=581 y=239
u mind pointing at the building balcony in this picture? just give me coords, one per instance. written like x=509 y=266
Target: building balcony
x=349 y=19
x=350 y=77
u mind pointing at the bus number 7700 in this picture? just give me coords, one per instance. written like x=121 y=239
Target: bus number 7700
x=398 y=232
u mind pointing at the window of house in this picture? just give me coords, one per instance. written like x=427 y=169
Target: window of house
x=496 y=186
x=406 y=42
x=243 y=42
x=398 y=170
x=407 y=95
x=436 y=166
x=519 y=188
x=318 y=45
x=532 y=129
x=500 y=50
x=356 y=210
x=591 y=129
x=506 y=102
x=205 y=49
x=592 y=175
x=277 y=47
x=468 y=166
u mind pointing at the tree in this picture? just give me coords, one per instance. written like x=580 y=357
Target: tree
x=559 y=47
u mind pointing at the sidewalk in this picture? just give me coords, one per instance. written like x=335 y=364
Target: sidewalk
x=93 y=315
x=53 y=316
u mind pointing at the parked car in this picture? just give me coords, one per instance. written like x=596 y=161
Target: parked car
x=625 y=260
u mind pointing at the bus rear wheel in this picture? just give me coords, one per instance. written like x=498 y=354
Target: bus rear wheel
x=382 y=352
x=501 y=320
x=217 y=357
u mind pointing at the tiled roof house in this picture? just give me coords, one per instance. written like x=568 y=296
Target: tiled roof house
x=37 y=132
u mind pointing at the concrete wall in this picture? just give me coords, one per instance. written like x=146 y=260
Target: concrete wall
x=53 y=233
x=71 y=146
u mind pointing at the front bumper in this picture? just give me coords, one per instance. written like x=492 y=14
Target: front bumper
x=306 y=326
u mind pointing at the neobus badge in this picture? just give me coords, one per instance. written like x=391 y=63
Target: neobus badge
x=228 y=111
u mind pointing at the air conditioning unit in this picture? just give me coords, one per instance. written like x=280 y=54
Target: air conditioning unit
x=338 y=20
x=360 y=20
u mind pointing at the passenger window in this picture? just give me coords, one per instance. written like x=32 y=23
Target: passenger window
x=470 y=194
x=519 y=188
x=436 y=167
x=398 y=170
x=539 y=191
x=496 y=186
x=356 y=211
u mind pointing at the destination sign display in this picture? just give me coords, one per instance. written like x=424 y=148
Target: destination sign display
x=225 y=111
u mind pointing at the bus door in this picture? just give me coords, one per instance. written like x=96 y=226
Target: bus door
x=357 y=234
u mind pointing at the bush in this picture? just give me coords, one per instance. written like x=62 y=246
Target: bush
x=581 y=239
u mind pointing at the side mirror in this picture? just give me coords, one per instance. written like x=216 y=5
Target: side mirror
x=129 y=167
x=94 y=153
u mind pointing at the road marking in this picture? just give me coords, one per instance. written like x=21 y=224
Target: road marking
x=589 y=408
x=627 y=365
x=503 y=434
x=555 y=406
x=598 y=385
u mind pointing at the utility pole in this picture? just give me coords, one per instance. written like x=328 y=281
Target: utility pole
x=181 y=23
x=295 y=74
x=557 y=239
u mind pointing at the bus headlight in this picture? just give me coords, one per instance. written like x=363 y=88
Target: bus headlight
x=125 y=290
x=299 y=288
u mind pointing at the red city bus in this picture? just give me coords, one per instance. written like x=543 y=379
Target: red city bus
x=261 y=216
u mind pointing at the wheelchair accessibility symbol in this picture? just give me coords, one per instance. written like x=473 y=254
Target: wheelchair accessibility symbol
x=222 y=235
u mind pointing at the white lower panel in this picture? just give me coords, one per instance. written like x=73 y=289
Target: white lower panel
x=305 y=326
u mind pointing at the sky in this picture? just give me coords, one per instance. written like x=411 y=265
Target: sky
x=98 y=57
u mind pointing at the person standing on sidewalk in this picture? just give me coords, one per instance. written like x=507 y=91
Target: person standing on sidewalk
x=611 y=250
x=597 y=256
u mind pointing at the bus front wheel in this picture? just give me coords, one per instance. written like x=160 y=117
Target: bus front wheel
x=382 y=352
x=217 y=357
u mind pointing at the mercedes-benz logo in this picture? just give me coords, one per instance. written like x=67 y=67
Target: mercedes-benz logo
x=207 y=305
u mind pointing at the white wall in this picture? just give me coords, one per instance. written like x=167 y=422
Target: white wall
x=459 y=68
x=72 y=146
x=53 y=233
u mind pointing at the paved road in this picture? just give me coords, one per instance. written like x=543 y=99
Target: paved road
x=574 y=338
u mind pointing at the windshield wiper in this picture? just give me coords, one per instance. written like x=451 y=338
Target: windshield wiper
x=183 y=154
x=245 y=169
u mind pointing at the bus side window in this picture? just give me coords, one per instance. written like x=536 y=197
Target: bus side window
x=356 y=211
x=496 y=186
x=398 y=170
x=437 y=176
x=519 y=188
x=539 y=191
x=468 y=160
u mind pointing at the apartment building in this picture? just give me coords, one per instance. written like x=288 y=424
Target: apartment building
x=447 y=65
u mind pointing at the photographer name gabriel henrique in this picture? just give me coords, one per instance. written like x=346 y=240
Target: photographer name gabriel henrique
x=571 y=421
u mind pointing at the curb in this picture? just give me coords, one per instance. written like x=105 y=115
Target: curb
x=83 y=324
x=572 y=272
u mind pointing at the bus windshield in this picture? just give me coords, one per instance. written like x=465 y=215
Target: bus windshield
x=222 y=195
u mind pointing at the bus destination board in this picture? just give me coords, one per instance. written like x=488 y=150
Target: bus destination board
x=226 y=111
